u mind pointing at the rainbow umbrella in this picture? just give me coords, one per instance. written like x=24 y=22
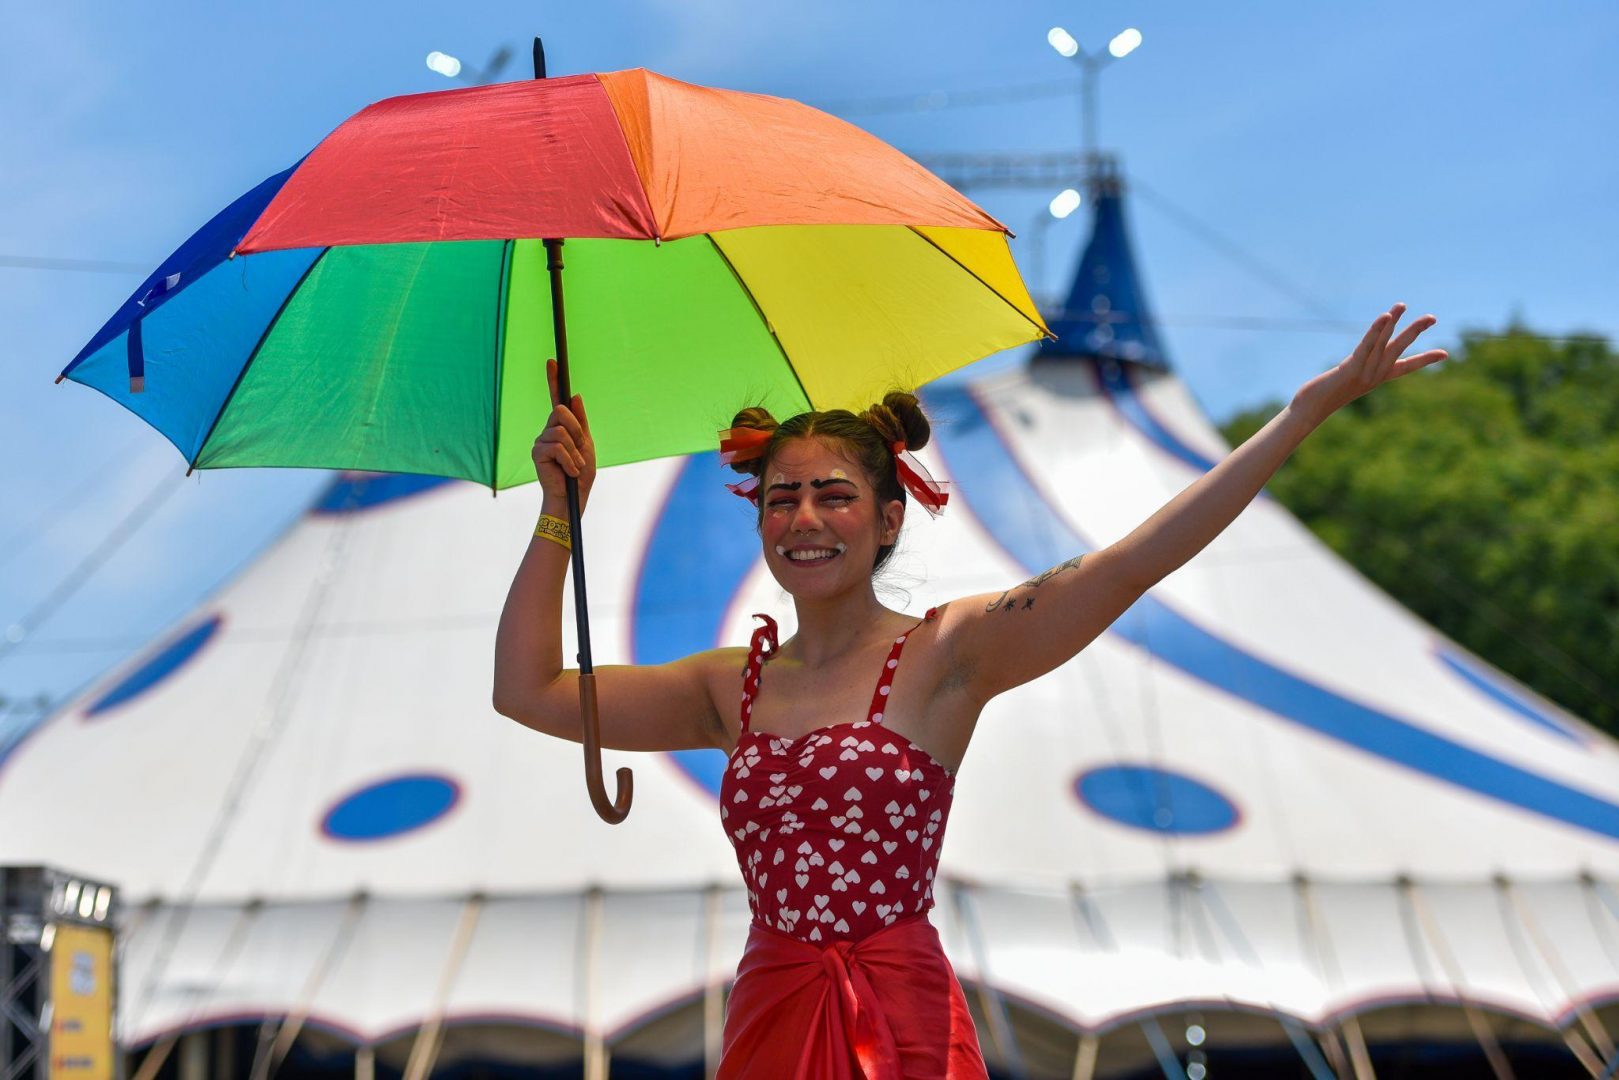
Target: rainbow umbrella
x=389 y=302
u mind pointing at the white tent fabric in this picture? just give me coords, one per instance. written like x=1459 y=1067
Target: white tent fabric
x=1269 y=792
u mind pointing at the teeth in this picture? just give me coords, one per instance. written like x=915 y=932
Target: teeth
x=809 y=554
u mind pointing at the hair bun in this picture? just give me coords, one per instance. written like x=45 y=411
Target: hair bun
x=899 y=416
x=757 y=418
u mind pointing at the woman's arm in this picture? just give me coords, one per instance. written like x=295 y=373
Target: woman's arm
x=661 y=707
x=1001 y=641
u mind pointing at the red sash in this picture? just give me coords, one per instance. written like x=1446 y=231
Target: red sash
x=887 y=1007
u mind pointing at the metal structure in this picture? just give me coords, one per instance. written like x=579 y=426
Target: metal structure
x=44 y=914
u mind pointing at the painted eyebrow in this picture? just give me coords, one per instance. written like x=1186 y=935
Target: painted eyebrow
x=818 y=484
x=794 y=486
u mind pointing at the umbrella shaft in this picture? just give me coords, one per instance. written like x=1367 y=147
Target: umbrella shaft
x=559 y=328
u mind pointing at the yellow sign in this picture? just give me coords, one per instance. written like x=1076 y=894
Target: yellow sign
x=81 y=1004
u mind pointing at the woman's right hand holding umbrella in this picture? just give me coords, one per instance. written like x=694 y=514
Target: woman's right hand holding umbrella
x=564 y=448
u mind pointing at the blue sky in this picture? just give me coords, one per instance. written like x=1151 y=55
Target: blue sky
x=1458 y=156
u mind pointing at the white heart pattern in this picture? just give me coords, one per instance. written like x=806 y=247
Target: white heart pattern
x=896 y=846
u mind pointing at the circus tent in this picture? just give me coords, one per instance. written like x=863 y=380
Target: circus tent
x=1270 y=815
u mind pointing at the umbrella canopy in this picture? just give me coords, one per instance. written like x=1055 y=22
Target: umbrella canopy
x=385 y=303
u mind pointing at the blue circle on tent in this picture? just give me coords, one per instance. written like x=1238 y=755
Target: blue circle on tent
x=1158 y=800
x=165 y=662
x=389 y=808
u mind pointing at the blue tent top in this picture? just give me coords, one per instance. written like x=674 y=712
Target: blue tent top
x=1105 y=316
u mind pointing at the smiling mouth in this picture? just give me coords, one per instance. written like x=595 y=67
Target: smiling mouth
x=811 y=556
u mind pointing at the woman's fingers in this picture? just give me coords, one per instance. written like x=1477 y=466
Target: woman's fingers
x=564 y=417
x=1410 y=333
x=567 y=459
x=579 y=411
x=1394 y=314
x=1409 y=364
x=1386 y=368
x=566 y=438
x=1368 y=339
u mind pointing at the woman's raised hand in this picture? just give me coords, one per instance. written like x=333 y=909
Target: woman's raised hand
x=1376 y=360
x=565 y=447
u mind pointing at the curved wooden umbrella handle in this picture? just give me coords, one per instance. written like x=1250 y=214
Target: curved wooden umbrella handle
x=619 y=809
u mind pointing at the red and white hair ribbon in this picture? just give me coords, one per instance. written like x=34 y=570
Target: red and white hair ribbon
x=748 y=489
x=742 y=444
x=931 y=493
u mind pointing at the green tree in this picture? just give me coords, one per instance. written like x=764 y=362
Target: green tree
x=1483 y=493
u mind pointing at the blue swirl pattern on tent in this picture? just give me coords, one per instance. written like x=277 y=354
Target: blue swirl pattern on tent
x=702 y=546
x=1518 y=700
x=1037 y=535
x=156 y=668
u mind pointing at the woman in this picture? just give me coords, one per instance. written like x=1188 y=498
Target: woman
x=843 y=759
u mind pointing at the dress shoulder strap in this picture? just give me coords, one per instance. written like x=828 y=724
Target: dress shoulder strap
x=879 y=697
x=762 y=647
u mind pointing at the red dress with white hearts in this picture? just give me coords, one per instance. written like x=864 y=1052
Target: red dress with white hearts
x=837 y=833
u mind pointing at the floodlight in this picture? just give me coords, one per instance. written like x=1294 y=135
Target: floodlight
x=443 y=63
x=1194 y=1034
x=1062 y=41
x=1065 y=203
x=1124 y=43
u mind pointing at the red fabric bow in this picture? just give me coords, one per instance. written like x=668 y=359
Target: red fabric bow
x=742 y=444
x=886 y=1007
x=931 y=493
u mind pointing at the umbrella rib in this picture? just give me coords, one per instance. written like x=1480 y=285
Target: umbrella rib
x=769 y=327
x=502 y=303
x=1044 y=332
x=252 y=356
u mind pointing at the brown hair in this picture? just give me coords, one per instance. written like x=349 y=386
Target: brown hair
x=868 y=439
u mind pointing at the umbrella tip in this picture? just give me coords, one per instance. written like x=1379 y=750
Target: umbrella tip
x=58 y=379
x=539 y=58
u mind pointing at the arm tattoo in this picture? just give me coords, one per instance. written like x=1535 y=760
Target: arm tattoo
x=1006 y=601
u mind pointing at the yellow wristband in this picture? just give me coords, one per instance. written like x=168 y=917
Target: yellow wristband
x=555 y=530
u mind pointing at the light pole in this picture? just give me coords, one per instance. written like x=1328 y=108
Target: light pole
x=1065 y=203
x=450 y=67
x=1122 y=44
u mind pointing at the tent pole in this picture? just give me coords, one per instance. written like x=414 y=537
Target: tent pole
x=158 y=1055
x=1333 y=1048
x=595 y=1050
x=365 y=1063
x=1476 y=1019
x=155 y=1058
x=1315 y=929
x=1588 y=1018
x=194 y=1056
x=1085 y=1058
x=424 y=1051
x=268 y=1063
x=1210 y=900
x=1168 y=1063
x=1091 y=915
x=713 y=989
x=994 y=1005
